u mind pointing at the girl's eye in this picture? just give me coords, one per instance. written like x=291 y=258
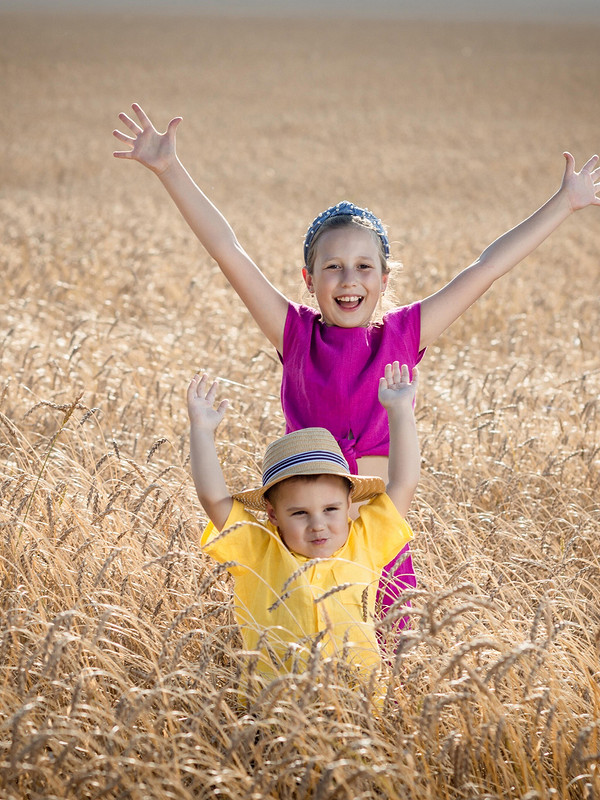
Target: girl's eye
x=365 y=266
x=332 y=266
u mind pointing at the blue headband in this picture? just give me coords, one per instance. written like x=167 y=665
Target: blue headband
x=350 y=210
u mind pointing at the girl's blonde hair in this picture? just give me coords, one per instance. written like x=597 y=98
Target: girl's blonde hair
x=345 y=221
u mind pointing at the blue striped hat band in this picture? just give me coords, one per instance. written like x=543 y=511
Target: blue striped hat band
x=302 y=458
x=310 y=451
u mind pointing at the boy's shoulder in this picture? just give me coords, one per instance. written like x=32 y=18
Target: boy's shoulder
x=234 y=538
x=380 y=529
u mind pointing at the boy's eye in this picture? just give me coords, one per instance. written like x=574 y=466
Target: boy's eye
x=332 y=266
x=298 y=513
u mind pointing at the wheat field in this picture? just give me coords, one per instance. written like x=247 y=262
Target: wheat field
x=122 y=669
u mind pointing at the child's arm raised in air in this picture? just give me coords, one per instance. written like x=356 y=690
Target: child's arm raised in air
x=157 y=152
x=208 y=477
x=396 y=395
x=577 y=190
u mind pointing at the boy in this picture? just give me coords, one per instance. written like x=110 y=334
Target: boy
x=310 y=572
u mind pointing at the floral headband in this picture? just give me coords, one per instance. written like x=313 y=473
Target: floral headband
x=346 y=209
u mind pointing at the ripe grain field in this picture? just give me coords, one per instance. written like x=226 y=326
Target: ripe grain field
x=121 y=664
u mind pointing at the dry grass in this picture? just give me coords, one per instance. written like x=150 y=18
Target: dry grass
x=121 y=667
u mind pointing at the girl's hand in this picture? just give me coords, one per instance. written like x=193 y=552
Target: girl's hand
x=200 y=402
x=395 y=388
x=152 y=149
x=581 y=187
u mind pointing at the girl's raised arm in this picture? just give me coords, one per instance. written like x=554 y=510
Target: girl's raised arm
x=157 y=152
x=577 y=190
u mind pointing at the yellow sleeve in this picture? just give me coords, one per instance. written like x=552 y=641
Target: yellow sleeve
x=242 y=539
x=385 y=530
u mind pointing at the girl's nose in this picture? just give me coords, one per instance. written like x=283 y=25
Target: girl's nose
x=348 y=277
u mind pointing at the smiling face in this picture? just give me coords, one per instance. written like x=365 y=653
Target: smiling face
x=347 y=277
x=311 y=516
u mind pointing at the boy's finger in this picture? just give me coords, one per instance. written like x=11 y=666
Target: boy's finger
x=404 y=377
x=210 y=395
x=388 y=373
x=191 y=390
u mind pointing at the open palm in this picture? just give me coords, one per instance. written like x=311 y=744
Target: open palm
x=583 y=186
x=152 y=149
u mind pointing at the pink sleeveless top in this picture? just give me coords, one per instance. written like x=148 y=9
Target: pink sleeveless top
x=331 y=375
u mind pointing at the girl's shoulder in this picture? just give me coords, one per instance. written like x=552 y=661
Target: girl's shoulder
x=300 y=315
x=413 y=309
x=403 y=317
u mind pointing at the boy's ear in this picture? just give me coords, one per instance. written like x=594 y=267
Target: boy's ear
x=271 y=513
x=308 y=279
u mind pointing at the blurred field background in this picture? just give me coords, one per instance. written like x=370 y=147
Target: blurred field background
x=120 y=661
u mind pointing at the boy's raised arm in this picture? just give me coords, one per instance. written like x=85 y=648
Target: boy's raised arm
x=397 y=394
x=157 y=152
x=577 y=190
x=208 y=477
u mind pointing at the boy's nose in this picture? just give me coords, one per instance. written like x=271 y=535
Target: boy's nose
x=317 y=524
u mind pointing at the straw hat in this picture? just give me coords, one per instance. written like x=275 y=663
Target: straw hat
x=310 y=451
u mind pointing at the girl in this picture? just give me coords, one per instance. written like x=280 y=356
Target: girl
x=332 y=360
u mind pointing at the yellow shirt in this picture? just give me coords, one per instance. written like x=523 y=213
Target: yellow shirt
x=284 y=600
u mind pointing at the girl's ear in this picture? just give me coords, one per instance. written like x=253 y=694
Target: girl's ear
x=271 y=513
x=384 y=281
x=308 y=279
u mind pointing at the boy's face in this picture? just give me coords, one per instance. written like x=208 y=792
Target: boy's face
x=312 y=517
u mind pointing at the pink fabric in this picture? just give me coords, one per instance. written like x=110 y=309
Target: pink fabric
x=330 y=380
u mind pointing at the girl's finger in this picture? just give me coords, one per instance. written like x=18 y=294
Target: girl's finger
x=172 y=126
x=130 y=123
x=590 y=164
x=123 y=137
x=141 y=115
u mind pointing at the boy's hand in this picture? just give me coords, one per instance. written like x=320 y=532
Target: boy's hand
x=152 y=149
x=200 y=402
x=395 y=388
x=581 y=187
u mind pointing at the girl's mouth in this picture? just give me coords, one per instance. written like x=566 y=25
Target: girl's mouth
x=349 y=303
